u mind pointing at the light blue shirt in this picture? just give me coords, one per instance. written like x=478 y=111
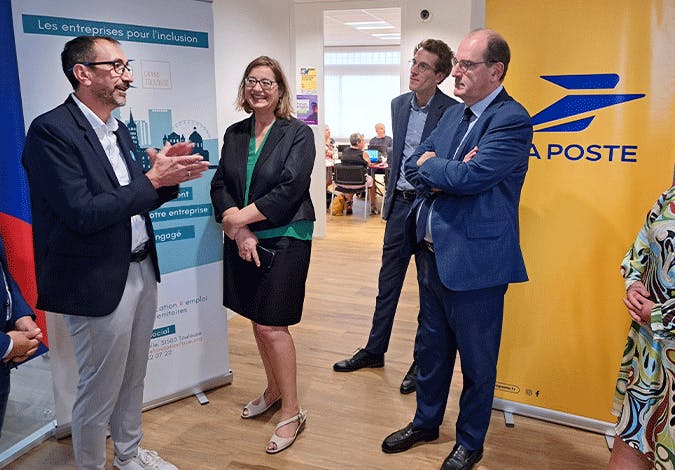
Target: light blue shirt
x=413 y=138
x=477 y=109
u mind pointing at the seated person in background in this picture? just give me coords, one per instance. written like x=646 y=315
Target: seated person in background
x=355 y=155
x=331 y=153
x=331 y=149
x=381 y=139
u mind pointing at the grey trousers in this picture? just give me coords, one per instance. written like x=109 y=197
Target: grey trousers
x=112 y=355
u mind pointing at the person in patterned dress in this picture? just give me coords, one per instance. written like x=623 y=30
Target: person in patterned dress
x=645 y=390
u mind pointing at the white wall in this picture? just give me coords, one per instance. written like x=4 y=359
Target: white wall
x=292 y=32
x=449 y=21
x=308 y=20
x=243 y=30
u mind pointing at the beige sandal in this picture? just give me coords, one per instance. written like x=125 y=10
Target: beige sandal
x=282 y=443
x=251 y=410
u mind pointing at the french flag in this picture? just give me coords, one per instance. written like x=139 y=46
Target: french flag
x=15 y=214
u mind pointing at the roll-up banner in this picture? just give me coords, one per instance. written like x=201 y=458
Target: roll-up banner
x=597 y=78
x=171 y=44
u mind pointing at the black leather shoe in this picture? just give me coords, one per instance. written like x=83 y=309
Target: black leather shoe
x=405 y=438
x=359 y=360
x=462 y=459
x=410 y=380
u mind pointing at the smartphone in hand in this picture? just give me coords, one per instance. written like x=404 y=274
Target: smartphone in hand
x=266 y=256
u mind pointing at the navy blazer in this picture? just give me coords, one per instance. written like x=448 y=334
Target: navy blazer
x=474 y=222
x=400 y=113
x=19 y=306
x=81 y=214
x=280 y=181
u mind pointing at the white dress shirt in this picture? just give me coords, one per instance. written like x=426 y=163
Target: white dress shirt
x=105 y=131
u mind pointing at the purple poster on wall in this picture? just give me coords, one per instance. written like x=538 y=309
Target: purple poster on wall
x=307 y=107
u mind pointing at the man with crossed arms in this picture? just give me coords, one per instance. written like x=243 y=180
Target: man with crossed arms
x=469 y=174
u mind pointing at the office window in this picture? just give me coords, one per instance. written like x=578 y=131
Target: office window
x=359 y=85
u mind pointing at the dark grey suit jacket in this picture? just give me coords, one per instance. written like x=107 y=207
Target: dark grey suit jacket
x=400 y=113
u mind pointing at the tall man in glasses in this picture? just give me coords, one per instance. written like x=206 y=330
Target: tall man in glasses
x=95 y=254
x=464 y=224
x=413 y=115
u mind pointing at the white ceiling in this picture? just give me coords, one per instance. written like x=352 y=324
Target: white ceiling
x=382 y=21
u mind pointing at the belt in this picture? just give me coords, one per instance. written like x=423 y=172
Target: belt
x=407 y=195
x=429 y=246
x=141 y=253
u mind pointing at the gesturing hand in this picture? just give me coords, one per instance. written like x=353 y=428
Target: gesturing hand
x=178 y=149
x=170 y=167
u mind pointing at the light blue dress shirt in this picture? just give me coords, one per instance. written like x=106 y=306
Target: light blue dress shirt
x=413 y=137
x=477 y=109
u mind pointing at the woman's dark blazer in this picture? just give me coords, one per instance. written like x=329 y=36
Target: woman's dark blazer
x=280 y=181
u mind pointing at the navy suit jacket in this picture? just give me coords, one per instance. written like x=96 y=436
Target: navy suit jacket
x=280 y=181
x=400 y=113
x=81 y=214
x=474 y=222
x=19 y=306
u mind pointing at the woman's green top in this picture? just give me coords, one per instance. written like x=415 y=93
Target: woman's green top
x=300 y=229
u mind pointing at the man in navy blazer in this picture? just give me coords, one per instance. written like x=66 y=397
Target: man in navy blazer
x=469 y=174
x=95 y=254
x=19 y=334
x=414 y=115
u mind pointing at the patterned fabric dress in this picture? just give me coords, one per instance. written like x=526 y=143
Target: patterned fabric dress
x=644 y=399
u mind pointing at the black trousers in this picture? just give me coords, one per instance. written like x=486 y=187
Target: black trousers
x=392 y=274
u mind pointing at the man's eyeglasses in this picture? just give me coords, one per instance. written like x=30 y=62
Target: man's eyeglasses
x=421 y=66
x=265 y=83
x=465 y=65
x=118 y=66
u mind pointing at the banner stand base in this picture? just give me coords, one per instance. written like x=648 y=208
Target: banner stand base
x=200 y=387
x=557 y=417
x=610 y=442
x=508 y=419
x=201 y=398
x=63 y=430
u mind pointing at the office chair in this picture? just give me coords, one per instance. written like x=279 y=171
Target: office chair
x=349 y=179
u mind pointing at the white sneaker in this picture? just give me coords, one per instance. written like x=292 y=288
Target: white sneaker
x=145 y=460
